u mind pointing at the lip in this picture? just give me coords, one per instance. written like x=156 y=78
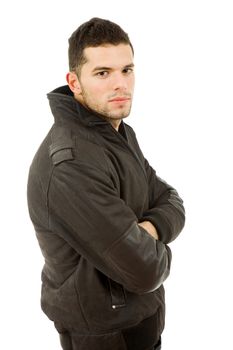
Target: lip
x=120 y=99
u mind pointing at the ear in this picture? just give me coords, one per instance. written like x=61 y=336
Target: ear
x=73 y=83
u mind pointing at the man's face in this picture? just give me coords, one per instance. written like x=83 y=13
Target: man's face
x=107 y=80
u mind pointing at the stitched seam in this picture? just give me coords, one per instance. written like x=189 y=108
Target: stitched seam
x=119 y=239
x=80 y=304
x=47 y=197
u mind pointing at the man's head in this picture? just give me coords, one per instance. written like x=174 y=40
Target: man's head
x=101 y=68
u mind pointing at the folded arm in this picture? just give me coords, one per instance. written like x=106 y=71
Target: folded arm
x=166 y=211
x=86 y=211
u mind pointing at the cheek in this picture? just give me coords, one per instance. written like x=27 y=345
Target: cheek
x=99 y=91
x=131 y=83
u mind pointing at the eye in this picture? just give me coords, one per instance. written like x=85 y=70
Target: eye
x=127 y=71
x=102 y=74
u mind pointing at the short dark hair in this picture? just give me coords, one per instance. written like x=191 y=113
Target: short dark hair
x=95 y=32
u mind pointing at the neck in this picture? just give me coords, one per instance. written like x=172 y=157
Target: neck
x=115 y=123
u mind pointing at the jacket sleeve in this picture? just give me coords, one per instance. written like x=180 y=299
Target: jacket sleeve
x=85 y=210
x=166 y=211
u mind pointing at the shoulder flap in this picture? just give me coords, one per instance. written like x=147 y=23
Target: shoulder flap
x=62 y=144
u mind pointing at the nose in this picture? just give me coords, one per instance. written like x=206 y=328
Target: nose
x=120 y=82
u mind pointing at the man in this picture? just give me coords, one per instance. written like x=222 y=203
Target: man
x=102 y=217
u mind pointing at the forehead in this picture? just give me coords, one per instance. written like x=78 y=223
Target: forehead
x=108 y=56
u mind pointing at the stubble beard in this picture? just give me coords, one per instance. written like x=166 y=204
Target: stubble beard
x=103 y=112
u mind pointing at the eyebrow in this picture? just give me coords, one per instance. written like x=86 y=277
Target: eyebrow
x=98 y=68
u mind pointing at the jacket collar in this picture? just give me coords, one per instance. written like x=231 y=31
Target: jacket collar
x=63 y=103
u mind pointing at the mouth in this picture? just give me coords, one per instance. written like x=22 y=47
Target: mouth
x=120 y=99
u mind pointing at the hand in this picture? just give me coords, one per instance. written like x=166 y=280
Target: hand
x=147 y=225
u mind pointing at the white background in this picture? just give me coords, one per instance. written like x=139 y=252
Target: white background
x=181 y=114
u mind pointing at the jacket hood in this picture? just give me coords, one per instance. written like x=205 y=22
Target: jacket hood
x=62 y=102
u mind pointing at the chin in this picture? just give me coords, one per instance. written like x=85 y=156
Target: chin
x=120 y=115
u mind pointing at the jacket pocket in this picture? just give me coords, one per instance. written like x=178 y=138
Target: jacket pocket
x=117 y=293
x=102 y=300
